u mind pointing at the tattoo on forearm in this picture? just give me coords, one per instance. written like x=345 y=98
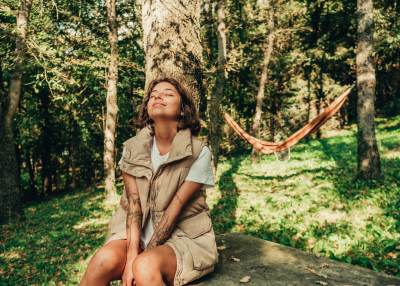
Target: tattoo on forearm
x=134 y=216
x=133 y=200
x=179 y=200
x=163 y=231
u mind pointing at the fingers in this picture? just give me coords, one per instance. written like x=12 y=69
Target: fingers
x=128 y=282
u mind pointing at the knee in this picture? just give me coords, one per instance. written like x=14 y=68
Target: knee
x=145 y=269
x=104 y=261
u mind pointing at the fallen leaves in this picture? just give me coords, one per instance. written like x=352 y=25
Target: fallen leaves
x=257 y=266
x=324 y=266
x=245 y=279
x=222 y=247
x=234 y=259
x=322 y=283
x=315 y=272
x=318 y=254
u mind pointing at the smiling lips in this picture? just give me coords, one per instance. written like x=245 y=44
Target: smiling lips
x=155 y=104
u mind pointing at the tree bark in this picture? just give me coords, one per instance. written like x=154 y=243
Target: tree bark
x=2 y=91
x=218 y=88
x=171 y=33
x=32 y=184
x=46 y=145
x=369 y=164
x=112 y=108
x=72 y=149
x=320 y=96
x=57 y=172
x=10 y=189
x=255 y=155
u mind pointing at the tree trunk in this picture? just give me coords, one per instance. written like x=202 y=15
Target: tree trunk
x=320 y=96
x=112 y=108
x=69 y=147
x=171 y=33
x=255 y=155
x=2 y=91
x=57 y=172
x=32 y=185
x=10 y=190
x=72 y=149
x=218 y=89
x=46 y=145
x=369 y=164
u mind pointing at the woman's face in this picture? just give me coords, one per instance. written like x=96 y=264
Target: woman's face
x=164 y=103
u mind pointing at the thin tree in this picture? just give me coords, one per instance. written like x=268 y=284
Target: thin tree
x=255 y=155
x=10 y=190
x=171 y=33
x=112 y=108
x=369 y=164
x=218 y=88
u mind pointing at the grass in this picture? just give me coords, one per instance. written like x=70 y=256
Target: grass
x=311 y=202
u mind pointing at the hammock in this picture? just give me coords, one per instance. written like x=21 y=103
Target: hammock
x=271 y=147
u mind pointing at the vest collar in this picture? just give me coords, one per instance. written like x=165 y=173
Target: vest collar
x=181 y=147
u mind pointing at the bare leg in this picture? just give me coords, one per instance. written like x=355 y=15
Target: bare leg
x=156 y=267
x=106 y=265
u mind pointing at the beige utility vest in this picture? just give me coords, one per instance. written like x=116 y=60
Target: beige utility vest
x=157 y=189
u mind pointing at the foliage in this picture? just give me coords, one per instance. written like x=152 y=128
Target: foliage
x=310 y=202
x=67 y=59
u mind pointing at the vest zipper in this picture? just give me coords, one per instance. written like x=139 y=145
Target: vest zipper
x=153 y=192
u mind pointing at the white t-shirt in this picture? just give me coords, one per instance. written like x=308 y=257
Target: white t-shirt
x=200 y=172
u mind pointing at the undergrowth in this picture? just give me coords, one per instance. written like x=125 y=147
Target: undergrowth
x=311 y=202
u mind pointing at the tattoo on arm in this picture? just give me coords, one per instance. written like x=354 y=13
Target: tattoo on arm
x=163 y=231
x=179 y=200
x=134 y=216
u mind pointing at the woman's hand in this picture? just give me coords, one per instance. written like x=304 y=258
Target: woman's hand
x=127 y=276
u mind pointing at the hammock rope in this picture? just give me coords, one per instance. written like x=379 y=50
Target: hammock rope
x=271 y=147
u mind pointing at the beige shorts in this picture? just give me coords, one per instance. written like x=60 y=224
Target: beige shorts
x=187 y=268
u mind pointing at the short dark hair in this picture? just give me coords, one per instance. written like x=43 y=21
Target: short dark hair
x=189 y=119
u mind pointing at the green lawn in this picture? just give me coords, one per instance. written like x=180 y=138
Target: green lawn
x=311 y=203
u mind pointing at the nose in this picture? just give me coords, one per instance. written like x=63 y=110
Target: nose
x=158 y=95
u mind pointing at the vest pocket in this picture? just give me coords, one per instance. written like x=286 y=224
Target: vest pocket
x=199 y=237
x=196 y=224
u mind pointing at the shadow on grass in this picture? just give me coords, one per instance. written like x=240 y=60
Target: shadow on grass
x=223 y=213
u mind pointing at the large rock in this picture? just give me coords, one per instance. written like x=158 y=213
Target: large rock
x=269 y=263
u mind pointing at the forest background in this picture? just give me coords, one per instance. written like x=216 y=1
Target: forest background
x=60 y=121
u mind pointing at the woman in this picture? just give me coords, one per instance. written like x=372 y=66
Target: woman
x=161 y=234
